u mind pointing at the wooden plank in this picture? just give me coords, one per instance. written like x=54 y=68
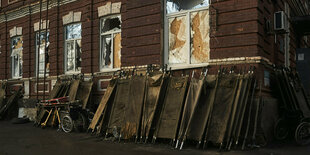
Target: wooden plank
x=102 y=105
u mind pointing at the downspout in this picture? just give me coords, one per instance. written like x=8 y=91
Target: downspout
x=37 y=54
x=91 y=36
x=162 y=34
x=45 y=51
x=29 y=46
x=57 y=37
x=6 y=46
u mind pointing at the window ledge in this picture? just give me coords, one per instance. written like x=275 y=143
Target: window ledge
x=107 y=70
x=73 y=73
x=17 y=78
x=187 y=66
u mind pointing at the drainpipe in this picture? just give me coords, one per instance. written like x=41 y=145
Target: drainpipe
x=45 y=47
x=6 y=45
x=38 y=49
x=91 y=34
x=29 y=47
x=57 y=37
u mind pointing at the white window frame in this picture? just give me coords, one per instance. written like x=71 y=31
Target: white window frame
x=20 y=73
x=112 y=33
x=37 y=54
x=66 y=41
x=187 y=13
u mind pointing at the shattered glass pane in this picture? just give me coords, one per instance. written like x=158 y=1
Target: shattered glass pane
x=70 y=56
x=17 y=56
x=74 y=31
x=74 y=47
x=15 y=65
x=179 y=5
x=78 y=60
x=43 y=54
x=178 y=51
x=17 y=43
x=110 y=24
x=200 y=39
x=106 y=51
x=42 y=39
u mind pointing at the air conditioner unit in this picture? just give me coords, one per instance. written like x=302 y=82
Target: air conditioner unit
x=279 y=21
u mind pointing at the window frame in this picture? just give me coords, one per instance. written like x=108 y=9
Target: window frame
x=187 y=14
x=37 y=53
x=103 y=68
x=19 y=61
x=66 y=49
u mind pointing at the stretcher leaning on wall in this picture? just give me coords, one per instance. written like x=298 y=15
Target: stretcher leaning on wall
x=67 y=106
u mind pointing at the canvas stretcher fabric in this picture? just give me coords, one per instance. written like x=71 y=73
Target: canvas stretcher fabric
x=133 y=109
x=103 y=104
x=118 y=108
x=191 y=101
x=202 y=111
x=154 y=89
x=222 y=108
x=167 y=126
x=84 y=92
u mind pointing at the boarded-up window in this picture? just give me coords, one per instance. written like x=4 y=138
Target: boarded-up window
x=42 y=55
x=17 y=56
x=110 y=42
x=188 y=32
x=73 y=48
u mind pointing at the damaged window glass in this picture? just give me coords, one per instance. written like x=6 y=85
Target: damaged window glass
x=179 y=5
x=17 y=56
x=42 y=53
x=73 y=48
x=110 y=42
x=187 y=33
x=111 y=24
x=74 y=31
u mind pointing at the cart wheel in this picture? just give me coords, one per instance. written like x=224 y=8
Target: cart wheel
x=67 y=123
x=302 y=134
x=281 y=130
x=80 y=123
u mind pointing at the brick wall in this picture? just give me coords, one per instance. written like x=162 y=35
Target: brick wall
x=237 y=30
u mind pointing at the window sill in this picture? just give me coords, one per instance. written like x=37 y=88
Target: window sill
x=186 y=66
x=73 y=73
x=107 y=70
x=16 y=78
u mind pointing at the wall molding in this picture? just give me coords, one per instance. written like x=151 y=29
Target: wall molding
x=36 y=26
x=16 y=31
x=109 y=8
x=71 y=17
x=30 y=9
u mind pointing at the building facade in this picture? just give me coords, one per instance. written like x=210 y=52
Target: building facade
x=98 y=37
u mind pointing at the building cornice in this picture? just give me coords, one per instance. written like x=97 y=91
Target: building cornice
x=30 y=9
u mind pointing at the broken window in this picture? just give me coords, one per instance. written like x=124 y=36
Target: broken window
x=73 y=48
x=187 y=32
x=179 y=5
x=42 y=54
x=110 y=42
x=17 y=56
